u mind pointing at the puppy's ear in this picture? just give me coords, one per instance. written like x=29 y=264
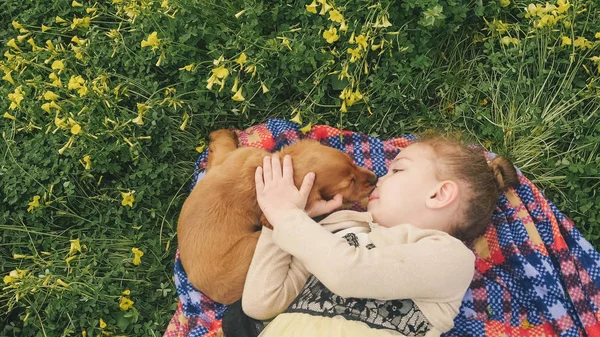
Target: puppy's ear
x=265 y=222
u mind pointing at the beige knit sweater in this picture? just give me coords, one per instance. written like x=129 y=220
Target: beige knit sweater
x=429 y=267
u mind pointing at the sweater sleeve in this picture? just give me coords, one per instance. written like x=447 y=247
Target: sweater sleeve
x=273 y=281
x=429 y=267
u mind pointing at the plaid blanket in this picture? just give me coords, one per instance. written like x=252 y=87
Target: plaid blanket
x=535 y=274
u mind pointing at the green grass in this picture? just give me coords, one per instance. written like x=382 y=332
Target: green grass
x=535 y=101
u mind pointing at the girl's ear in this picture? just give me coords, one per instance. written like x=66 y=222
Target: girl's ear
x=444 y=194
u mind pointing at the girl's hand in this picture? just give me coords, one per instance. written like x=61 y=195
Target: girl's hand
x=277 y=194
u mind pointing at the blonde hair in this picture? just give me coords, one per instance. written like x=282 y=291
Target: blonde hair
x=484 y=180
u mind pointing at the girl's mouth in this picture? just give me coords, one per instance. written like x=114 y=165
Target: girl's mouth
x=373 y=198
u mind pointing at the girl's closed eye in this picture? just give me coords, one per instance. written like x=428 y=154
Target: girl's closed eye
x=396 y=170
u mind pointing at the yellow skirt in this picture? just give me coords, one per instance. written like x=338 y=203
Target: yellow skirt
x=305 y=325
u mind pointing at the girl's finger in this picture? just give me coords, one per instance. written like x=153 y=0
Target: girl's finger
x=258 y=180
x=288 y=169
x=307 y=184
x=267 y=171
x=276 y=167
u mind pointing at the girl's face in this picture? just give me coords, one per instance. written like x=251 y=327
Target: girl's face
x=400 y=195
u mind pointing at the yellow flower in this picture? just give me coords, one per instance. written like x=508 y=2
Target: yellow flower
x=305 y=129
x=152 y=41
x=189 y=67
x=46 y=107
x=77 y=40
x=221 y=72
x=58 y=65
x=55 y=106
x=355 y=53
x=20 y=38
x=91 y=10
x=127 y=199
x=126 y=303
x=361 y=40
x=81 y=22
x=8 y=78
x=242 y=59
x=76 y=4
x=34 y=47
x=343 y=107
x=312 y=7
x=297 y=119
x=219 y=60
x=126 y=292
x=336 y=16
x=238 y=97
x=58 y=19
x=8 y=55
x=50 y=96
x=201 y=147
x=15 y=275
x=563 y=6
x=597 y=35
x=16 y=98
x=211 y=81
x=533 y=10
x=76 y=129
x=9 y=116
x=102 y=324
x=77 y=83
x=87 y=162
x=49 y=45
x=251 y=69
x=286 y=42
x=56 y=82
x=34 y=203
x=78 y=54
x=595 y=59
x=504 y=3
x=582 y=43
x=165 y=4
x=75 y=246
x=236 y=82
x=67 y=145
x=566 y=41
x=343 y=26
x=16 y=25
x=45 y=28
x=11 y=43
x=385 y=22
x=183 y=125
x=507 y=40
x=547 y=20
x=137 y=256
x=240 y=13
x=264 y=87
x=325 y=7
x=331 y=35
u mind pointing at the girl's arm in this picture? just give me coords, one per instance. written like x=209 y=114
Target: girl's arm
x=273 y=281
x=429 y=266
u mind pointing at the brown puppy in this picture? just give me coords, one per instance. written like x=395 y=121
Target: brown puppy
x=219 y=224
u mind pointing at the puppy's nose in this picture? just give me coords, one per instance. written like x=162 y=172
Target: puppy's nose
x=373 y=180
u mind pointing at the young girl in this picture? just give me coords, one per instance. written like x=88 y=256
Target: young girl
x=399 y=269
